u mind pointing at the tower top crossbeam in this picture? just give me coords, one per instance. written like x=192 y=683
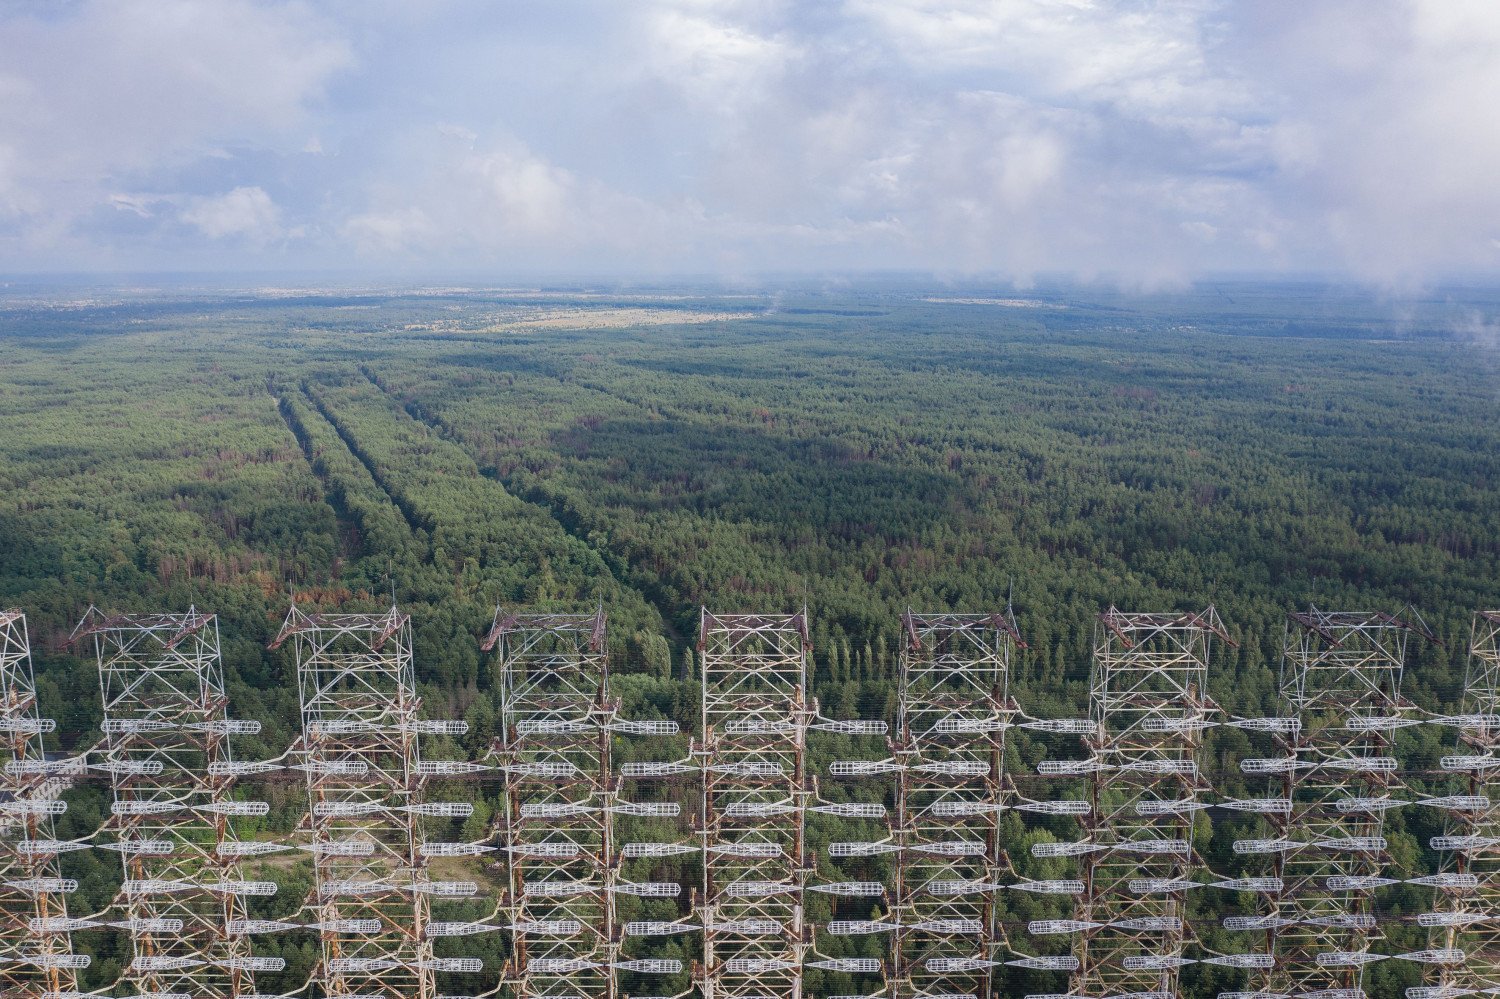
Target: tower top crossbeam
x=730 y=633
x=1133 y=629
x=353 y=667
x=1151 y=665
x=754 y=667
x=917 y=625
x=535 y=625
x=554 y=666
x=159 y=666
x=1346 y=660
x=955 y=669
x=1482 y=682
x=382 y=625
x=177 y=627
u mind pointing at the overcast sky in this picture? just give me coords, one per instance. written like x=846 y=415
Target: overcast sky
x=1145 y=140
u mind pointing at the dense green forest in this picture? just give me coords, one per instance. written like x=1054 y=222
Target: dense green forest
x=858 y=450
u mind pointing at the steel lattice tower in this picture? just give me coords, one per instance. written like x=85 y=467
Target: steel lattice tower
x=558 y=825
x=360 y=736
x=1482 y=684
x=1148 y=699
x=1470 y=897
x=166 y=749
x=953 y=711
x=755 y=716
x=36 y=947
x=1341 y=673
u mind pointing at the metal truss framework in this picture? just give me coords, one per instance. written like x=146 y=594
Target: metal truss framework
x=166 y=753
x=1148 y=700
x=953 y=711
x=1470 y=899
x=1341 y=674
x=360 y=735
x=36 y=947
x=166 y=749
x=755 y=717
x=558 y=828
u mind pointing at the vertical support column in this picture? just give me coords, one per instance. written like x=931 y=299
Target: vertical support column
x=1469 y=899
x=1148 y=699
x=166 y=749
x=755 y=716
x=1341 y=673
x=953 y=711
x=36 y=946
x=360 y=736
x=558 y=827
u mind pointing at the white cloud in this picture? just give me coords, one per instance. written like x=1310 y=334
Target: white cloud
x=1387 y=137
x=1142 y=55
x=245 y=212
x=390 y=232
x=480 y=200
x=1149 y=138
x=104 y=94
x=719 y=65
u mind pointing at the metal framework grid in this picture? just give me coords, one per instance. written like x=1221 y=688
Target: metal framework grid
x=360 y=734
x=755 y=717
x=1148 y=698
x=1341 y=673
x=558 y=824
x=36 y=947
x=1469 y=905
x=166 y=749
x=953 y=711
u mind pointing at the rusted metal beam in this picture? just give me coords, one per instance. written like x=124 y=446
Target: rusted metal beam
x=1419 y=628
x=496 y=632
x=1108 y=620
x=190 y=627
x=1213 y=625
x=1002 y=622
x=397 y=622
x=295 y=622
x=913 y=640
x=100 y=623
x=596 y=635
x=1313 y=625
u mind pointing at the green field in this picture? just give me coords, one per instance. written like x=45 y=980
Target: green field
x=859 y=450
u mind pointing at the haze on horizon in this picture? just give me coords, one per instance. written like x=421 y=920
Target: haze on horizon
x=1150 y=141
